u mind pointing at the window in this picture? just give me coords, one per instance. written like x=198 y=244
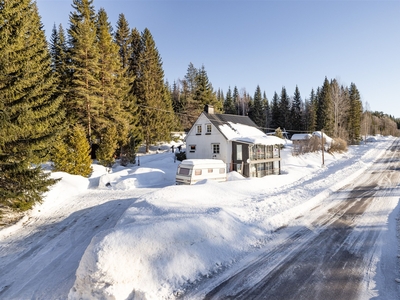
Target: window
x=208 y=128
x=197 y=172
x=198 y=129
x=238 y=152
x=221 y=171
x=215 y=148
x=210 y=170
x=184 y=171
x=192 y=148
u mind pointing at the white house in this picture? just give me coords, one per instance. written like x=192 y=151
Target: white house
x=237 y=141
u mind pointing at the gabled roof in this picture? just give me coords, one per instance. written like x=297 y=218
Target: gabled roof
x=221 y=119
x=301 y=136
x=241 y=128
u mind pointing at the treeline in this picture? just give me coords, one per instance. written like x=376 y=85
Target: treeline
x=335 y=108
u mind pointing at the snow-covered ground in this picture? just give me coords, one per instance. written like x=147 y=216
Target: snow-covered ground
x=169 y=237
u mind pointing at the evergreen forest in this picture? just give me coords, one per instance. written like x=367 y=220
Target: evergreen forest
x=94 y=91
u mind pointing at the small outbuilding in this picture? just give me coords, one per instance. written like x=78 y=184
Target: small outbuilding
x=300 y=143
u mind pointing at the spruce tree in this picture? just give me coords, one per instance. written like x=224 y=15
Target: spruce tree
x=204 y=93
x=229 y=106
x=236 y=100
x=136 y=49
x=276 y=120
x=267 y=111
x=221 y=98
x=296 y=111
x=324 y=109
x=257 y=113
x=123 y=40
x=284 y=110
x=113 y=89
x=355 y=114
x=30 y=114
x=60 y=58
x=84 y=94
x=154 y=102
x=190 y=108
x=311 y=112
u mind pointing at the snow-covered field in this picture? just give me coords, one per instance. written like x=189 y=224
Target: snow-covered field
x=169 y=237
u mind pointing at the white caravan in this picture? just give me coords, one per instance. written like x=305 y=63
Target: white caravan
x=191 y=171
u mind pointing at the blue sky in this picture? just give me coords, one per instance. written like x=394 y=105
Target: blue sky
x=268 y=43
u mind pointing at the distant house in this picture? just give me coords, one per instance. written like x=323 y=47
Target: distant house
x=237 y=141
x=305 y=142
x=301 y=143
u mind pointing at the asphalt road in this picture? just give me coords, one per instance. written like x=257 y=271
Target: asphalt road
x=330 y=258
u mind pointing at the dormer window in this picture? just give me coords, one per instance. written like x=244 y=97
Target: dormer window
x=198 y=129
x=208 y=128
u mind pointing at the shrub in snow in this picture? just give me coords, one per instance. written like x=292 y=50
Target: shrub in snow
x=338 y=145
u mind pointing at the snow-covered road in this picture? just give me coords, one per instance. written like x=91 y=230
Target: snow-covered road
x=334 y=257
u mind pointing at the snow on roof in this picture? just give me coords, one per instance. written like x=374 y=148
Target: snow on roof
x=328 y=140
x=194 y=162
x=300 y=136
x=248 y=134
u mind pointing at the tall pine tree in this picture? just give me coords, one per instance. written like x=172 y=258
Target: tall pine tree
x=229 y=106
x=257 y=112
x=355 y=113
x=60 y=57
x=123 y=40
x=154 y=101
x=284 y=110
x=84 y=94
x=204 y=93
x=296 y=111
x=311 y=112
x=114 y=107
x=275 y=112
x=30 y=114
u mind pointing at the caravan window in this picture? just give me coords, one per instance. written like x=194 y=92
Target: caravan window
x=197 y=172
x=184 y=171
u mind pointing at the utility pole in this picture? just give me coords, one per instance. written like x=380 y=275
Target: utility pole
x=322 y=147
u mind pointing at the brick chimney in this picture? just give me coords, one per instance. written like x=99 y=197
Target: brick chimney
x=209 y=109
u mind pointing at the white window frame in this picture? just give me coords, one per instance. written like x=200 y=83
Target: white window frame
x=192 y=148
x=198 y=129
x=239 y=152
x=208 y=128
